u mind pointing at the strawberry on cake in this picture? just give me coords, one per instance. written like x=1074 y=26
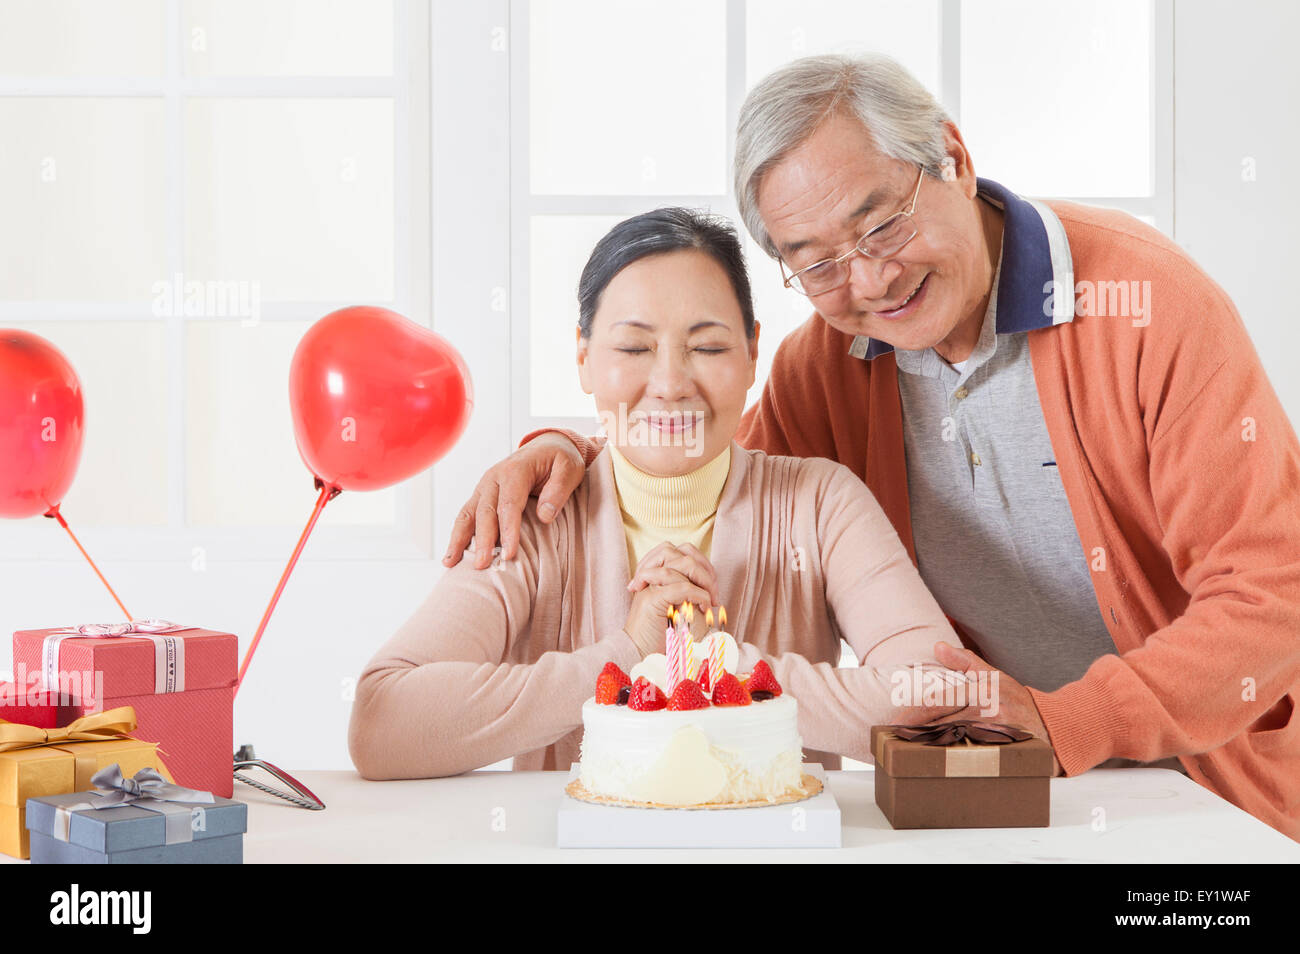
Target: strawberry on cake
x=731 y=745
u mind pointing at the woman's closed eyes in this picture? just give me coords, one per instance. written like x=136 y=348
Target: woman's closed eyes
x=701 y=349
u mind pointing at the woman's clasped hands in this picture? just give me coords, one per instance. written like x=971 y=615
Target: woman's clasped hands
x=667 y=576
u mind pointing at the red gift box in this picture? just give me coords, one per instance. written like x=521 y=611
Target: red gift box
x=193 y=726
x=34 y=706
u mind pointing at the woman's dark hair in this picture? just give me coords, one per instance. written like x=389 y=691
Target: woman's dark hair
x=652 y=233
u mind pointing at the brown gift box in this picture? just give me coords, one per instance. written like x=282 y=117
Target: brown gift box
x=966 y=785
x=30 y=768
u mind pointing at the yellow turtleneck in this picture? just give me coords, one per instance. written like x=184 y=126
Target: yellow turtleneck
x=677 y=509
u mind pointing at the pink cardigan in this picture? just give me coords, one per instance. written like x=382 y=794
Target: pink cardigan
x=497 y=662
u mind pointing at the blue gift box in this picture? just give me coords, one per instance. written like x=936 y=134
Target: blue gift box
x=210 y=833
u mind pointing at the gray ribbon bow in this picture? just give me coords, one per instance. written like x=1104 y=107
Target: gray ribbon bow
x=146 y=783
x=146 y=789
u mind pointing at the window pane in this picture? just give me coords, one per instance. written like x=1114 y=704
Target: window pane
x=778 y=31
x=628 y=98
x=561 y=245
x=122 y=478
x=778 y=310
x=1056 y=98
x=241 y=463
x=81 y=37
x=288 y=38
x=295 y=195
x=81 y=185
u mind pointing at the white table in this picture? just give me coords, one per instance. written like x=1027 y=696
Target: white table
x=1106 y=815
x=1146 y=815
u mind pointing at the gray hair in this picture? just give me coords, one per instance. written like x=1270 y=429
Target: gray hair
x=785 y=109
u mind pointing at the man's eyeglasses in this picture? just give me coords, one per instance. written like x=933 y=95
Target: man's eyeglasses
x=880 y=242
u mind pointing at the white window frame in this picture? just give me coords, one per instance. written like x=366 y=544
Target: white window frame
x=1159 y=206
x=411 y=537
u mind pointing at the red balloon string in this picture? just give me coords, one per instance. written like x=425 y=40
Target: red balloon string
x=54 y=512
x=327 y=494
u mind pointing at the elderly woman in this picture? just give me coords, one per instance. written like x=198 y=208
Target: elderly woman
x=498 y=661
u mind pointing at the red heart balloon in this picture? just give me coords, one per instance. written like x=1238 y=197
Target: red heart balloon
x=375 y=397
x=41 y=424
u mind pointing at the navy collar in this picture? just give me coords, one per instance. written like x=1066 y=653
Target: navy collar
x=1036 y=286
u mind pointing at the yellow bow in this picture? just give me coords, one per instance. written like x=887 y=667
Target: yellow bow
x=112 y=724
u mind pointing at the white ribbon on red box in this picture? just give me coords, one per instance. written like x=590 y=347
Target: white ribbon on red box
x=169 y=652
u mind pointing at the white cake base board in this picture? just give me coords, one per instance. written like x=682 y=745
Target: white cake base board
x=811 y=823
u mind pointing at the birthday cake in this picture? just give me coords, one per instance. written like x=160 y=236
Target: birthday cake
x=654 y=741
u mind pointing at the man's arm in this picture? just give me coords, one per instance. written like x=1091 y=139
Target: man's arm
x=1224 y=477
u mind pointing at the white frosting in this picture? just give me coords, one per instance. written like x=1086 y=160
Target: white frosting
x=719 y=754
x=730 y=651
x=655 y=668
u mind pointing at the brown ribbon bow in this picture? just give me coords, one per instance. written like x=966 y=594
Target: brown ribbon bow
x=950 y=733
x=97 y=727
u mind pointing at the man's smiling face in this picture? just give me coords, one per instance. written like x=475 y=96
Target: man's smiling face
x=820 y=199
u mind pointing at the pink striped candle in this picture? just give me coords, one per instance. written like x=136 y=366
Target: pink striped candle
x=717 y=647
x=669 y=639
x=687 y=649
x=674 y=652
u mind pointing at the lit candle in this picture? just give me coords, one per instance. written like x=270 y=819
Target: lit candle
x=689 y=670
x=676 y=660
x=674 y=651
x=717 y=647
x=691 y=663
x=670 y=637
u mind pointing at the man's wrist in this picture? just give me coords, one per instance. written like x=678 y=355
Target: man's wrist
x=541 y=432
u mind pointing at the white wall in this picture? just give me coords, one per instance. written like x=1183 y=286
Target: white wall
x=1236 y=84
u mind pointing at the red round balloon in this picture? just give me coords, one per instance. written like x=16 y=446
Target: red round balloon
x=42 y=424
x=375 y=397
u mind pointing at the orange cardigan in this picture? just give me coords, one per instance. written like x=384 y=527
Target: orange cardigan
x=1183 y=475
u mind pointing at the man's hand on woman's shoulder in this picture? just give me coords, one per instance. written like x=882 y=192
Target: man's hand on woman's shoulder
x=548 y=466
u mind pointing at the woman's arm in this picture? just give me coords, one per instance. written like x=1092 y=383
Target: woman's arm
x=441 y=697
x=884 y=611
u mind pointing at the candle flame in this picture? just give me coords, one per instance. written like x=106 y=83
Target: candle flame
x=722 y=616
x=690 y=613
x=708 y=618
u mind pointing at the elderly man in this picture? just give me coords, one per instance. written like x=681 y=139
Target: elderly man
x=1061 y=413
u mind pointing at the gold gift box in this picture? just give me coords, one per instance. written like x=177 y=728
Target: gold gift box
x=36 y=762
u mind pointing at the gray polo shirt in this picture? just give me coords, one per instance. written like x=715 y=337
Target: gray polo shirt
x=995 y=539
